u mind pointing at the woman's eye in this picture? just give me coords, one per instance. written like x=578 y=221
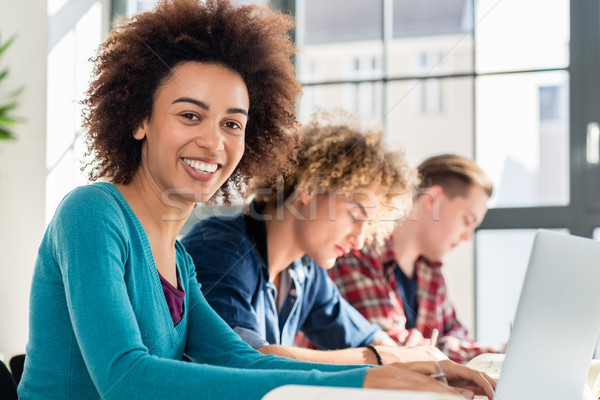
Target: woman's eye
x=232 y=125
x=190 y=116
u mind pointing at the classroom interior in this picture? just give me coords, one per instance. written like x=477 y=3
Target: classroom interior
x=512 y=84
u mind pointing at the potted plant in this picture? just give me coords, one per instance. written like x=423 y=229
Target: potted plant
x=7 y=102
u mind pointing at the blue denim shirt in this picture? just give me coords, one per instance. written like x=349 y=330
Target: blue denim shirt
x=230 y=253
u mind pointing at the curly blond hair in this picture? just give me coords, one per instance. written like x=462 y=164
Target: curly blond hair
x=340 y=156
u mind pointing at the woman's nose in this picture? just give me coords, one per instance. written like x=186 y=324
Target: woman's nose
x=210 y=137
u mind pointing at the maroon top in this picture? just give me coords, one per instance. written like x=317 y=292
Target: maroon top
x=174 y=298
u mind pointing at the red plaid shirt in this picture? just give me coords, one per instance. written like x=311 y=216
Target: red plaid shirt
x=366 y=279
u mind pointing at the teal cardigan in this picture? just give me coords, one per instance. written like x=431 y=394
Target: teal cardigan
x=100 y=326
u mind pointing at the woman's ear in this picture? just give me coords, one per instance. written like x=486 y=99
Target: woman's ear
x=140 y=132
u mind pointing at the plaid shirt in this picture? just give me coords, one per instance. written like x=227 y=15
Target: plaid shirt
x=366 y=279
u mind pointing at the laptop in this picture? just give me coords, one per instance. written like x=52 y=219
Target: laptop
x=557 y=321
x=553 y=337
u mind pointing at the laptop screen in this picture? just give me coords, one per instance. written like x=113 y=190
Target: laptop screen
x=557 y=321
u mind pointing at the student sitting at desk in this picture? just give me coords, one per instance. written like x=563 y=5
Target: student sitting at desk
x=178 y=94
x=265 y=272
x=401 y=287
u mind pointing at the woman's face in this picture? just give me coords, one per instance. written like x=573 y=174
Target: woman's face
x=195 y=137
x=334 y=223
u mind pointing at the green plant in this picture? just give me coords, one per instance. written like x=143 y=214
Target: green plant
x=7 y=121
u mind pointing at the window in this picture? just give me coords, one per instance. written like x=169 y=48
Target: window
x=501 y=82
x=526 y=155
x=429 y=96
x=550 y=103
x=76 y=30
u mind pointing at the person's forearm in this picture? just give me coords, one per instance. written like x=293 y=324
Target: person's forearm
x=360 y=355
x=390 y=355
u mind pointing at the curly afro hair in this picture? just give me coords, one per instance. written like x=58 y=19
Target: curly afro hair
x=139 y=55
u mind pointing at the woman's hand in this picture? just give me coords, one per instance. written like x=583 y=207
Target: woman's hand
x=464 y=377
x=396 y=377
x=458 y=376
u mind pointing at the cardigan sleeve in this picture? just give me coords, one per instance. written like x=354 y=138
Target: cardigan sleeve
x=91 y=246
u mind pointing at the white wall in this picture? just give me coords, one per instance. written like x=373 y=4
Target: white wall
x=22 y=168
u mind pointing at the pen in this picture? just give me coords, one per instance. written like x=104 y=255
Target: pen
x=434 y=337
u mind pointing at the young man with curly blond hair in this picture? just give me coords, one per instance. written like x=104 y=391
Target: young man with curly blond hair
x=265 y=272
x=401 y=286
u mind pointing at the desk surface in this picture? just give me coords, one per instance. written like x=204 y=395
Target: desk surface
x=298 y=392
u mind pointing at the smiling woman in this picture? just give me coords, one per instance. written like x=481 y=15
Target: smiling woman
x=186 y=100
x=195 y=136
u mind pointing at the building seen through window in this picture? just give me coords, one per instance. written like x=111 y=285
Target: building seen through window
x=479 y=78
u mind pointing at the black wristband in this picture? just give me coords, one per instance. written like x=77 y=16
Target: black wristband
x=377 y=355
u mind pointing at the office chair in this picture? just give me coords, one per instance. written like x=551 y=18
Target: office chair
x=16 y=366
x=8 y=386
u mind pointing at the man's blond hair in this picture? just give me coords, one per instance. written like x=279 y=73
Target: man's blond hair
x=455 y=174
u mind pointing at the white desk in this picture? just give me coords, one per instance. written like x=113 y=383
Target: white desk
x=299 y=392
